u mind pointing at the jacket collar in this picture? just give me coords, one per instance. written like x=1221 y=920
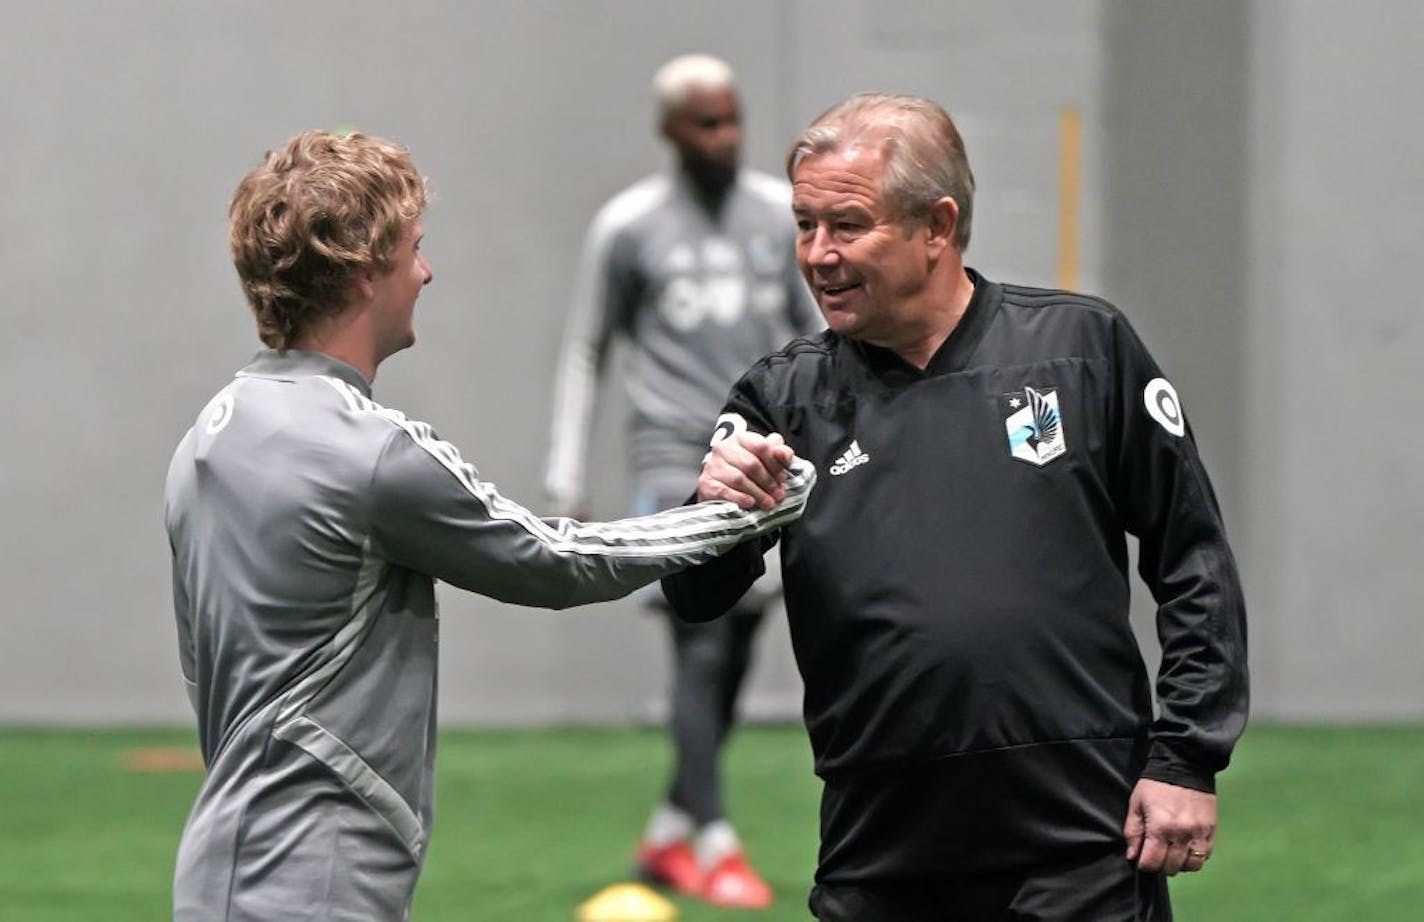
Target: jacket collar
x=953 y=354
x=290 y=364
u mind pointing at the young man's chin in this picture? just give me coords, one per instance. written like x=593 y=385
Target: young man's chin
x=400 y=345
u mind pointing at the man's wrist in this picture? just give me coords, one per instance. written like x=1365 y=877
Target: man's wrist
x=1183 y=776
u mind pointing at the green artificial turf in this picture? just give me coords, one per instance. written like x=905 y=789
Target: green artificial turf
x=1316 y=824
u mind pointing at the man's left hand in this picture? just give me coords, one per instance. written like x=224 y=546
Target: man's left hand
x=1169 y=828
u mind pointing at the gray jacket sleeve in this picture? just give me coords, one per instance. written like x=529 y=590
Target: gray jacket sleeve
x=187 y=655
x=604 y=294
x=430 y=512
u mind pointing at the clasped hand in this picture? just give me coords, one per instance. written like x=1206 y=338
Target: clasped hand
x=748 y=469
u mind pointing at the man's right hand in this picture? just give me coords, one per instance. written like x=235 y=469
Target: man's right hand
x=747 y=469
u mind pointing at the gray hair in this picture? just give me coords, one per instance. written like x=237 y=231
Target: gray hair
x=675 y=81
x=925 y=158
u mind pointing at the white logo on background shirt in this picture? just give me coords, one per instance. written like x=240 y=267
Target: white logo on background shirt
x=704 y=284
x=719 y=255
x=689 y=302
x=766 y=254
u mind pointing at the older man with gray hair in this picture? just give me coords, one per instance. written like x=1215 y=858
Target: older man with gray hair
x=694 y=269
x=958 y=590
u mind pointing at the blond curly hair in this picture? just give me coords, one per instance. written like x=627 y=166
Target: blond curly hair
x=317 y=211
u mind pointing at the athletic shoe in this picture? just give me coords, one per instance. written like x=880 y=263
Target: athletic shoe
x=672 y=866
x=733 y=884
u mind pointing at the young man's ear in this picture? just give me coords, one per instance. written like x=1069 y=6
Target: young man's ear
x=361 y=285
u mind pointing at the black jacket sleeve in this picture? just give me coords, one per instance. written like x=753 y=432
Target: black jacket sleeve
x=705 y=592
x=1165 y=498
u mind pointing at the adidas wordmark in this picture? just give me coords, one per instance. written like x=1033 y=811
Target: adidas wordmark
x=853 y=457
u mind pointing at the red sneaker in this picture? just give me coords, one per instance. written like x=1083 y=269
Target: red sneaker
x=732 y=884
x=672 y=866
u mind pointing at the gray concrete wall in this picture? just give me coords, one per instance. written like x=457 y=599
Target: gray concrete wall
x=1175 y=192
x=1212 y=164
x=1335 y=337
x=1263 y=221
x=1173 y=168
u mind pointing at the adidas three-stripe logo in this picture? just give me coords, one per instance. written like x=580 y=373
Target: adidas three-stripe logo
x=853 y=457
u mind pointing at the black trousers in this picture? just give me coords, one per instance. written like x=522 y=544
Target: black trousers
x=710 y=663
x=1101 y=887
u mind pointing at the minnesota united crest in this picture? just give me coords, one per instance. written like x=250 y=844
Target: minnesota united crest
x=1034 y=425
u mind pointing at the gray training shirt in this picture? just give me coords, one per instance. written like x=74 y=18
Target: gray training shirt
x=699 y=296
x=308 y=525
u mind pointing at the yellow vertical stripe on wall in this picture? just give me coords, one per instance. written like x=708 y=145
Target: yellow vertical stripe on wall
x=1070 y=180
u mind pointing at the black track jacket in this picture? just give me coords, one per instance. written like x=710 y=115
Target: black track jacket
x=957 y=588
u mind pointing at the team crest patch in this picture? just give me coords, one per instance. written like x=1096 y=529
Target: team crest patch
x=1034 y=425
x=766 y=254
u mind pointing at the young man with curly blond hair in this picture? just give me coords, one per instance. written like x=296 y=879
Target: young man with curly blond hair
x=308 y=525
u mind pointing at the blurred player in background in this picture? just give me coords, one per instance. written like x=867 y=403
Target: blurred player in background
x=308 y=525
x=695 y=269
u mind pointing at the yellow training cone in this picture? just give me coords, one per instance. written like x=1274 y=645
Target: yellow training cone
x=626 y=903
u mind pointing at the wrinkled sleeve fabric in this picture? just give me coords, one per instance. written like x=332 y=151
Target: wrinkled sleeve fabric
x=710 y=589
x=1165 y=499
x=187 y=653
x=430 y=512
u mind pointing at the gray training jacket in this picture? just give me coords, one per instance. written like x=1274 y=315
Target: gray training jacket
x=699 y=296
x=307 y=526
